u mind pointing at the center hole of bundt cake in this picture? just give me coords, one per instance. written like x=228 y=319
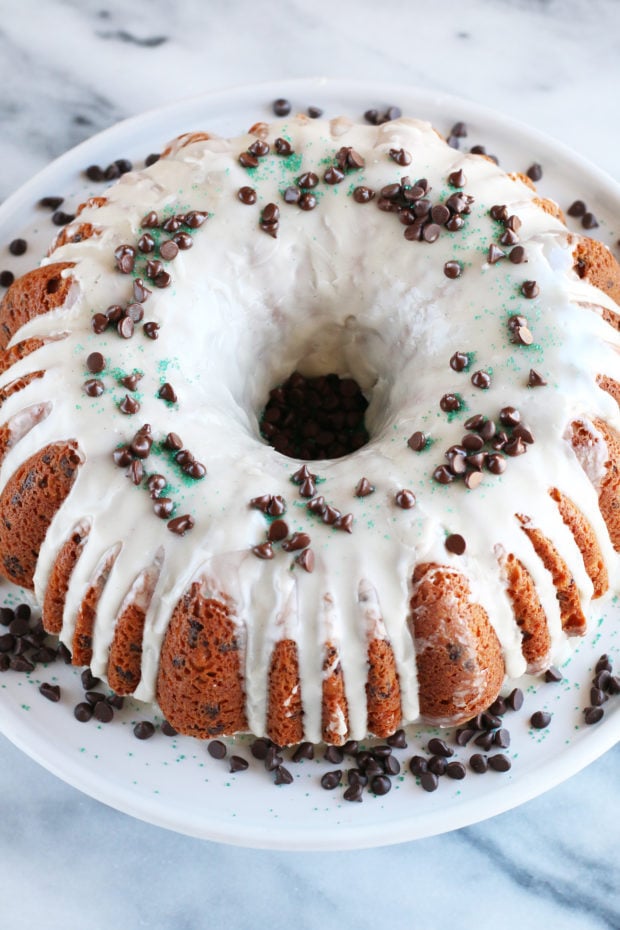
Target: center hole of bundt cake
x=315 y=418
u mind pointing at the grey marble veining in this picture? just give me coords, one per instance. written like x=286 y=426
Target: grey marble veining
x=70 y=68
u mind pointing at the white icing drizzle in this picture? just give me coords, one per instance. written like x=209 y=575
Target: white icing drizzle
x=338 y=289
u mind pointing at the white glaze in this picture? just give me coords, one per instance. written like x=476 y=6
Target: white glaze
x=339 y=289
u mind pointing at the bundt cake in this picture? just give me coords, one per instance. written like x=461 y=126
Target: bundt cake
x=313 y=432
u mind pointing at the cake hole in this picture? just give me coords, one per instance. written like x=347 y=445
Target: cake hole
x=315 y=418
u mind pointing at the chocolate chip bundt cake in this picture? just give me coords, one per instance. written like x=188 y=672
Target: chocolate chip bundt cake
x=313 y=432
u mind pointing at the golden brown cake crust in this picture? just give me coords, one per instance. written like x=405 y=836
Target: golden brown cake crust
x=34 y=293
x=29 y=501
x=199 y=684
x=285 y=710
x=609 y=485
x=459 y=657
x=58 y=583
x=335 y=713
x=382 y=690
x=125 y=660
x=529 y=614
x=594 y=261
x=586 y=541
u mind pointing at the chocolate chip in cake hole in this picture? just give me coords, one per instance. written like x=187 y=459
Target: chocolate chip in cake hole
x=168 y=250
x=530 y=289
x=181 y=525
x=93 y=387
x=144 y=729
x=452 y=269
x=450 y=403
x=49 y=691
x=167 y=393
x=481 y=380
x=95 y=362
x=417 y=441
x=495 y=254
x=405 y=499
x=540 y=719
x=459 y=361
x=455 y=544
x=146 y=243
x=18 y=246
x=125 y=258
x=151 y=330
x=247 y=195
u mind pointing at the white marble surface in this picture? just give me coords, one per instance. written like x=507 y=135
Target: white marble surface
x=72 y=68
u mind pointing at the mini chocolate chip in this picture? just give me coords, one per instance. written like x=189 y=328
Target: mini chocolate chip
x=49 y=691
x=535 y=172
x=517 y=255
x=167 y=393
x=592 y=715
x=18 y=246
x=540 y=719
x=95 y=362
x=457 y=178
x=151 y=330
x=459 y=361
x=283 y=147
x=577 y=208
x=417 y=441
x=452 y=269
x=128 y=405
x=499 y=762
x=183 y=240
x=93 y=387
x=481 y=380
x=589 y=221
x=103 y=712
x=439 y=747
x=495 y=254
x=217 y=749
x=125 y=256
x=314 y=112
x=238 y=764
x=405 y=499
x=456 y=544
x=83 y=712
x=51 y=203
x=169 y=250
x=6 y=278
x=281 y=107
x=331 y=780
x=535 y=379
x=180 y=525
x=530 y=289
x=59 y=218
x=478 y=763
x=449 y=403
x=195 y=219
x=146 y=243
x=429 y=781
x=305 y=560
x=144 y=729
x=283 y=776
x=333 y=175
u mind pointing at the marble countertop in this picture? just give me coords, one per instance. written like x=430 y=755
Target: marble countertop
x=69 y=70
